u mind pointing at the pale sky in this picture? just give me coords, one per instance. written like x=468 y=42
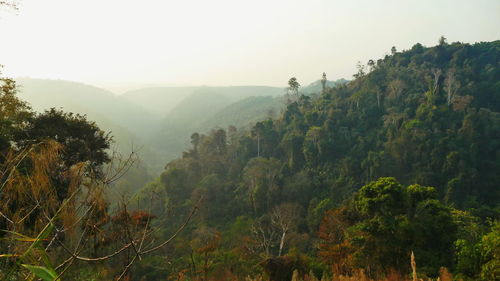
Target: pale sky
x=225 y=42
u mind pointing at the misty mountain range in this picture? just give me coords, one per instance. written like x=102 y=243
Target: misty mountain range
x=159 y=119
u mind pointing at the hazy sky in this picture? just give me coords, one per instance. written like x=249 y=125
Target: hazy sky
x=225 y=42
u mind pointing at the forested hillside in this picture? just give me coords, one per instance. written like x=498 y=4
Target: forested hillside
x=250 y=140
x=157 y=122
x=428 y=118
x=316 y=86
x=391 y=175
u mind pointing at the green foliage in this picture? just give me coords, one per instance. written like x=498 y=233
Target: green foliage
x=83 y=140
x=386 y=222
x=478 y=251
x=316 y=212
x=490 y=253
x=468 y=258
x=429 y=117
x=45 y=159
x=382 y=197
x=13 y=112
x=34 y=253
x=44 y=273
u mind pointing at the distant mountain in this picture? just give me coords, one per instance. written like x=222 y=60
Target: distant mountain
x=209 y=107
x=98 y=104
x=129 y=124
x=158 y=120
x=316 y=87
x=159 y=100
x=162 y=100
x=246 y=112
x=206 y=101
x=161 y=119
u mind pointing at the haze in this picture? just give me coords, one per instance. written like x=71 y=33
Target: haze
x=118 y=44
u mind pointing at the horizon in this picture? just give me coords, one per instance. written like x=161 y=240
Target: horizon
x=118 y=89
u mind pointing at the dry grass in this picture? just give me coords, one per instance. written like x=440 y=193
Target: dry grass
x=445 y=275
x=359 y=275
x=413 y=267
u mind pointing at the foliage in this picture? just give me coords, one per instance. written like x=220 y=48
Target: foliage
x=490 y=253
x=426 y=115
x=53 y=187
x=390 y=222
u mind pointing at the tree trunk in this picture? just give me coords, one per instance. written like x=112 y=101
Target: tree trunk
x=282 y=243
x=258 y=145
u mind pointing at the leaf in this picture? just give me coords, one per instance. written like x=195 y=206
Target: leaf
x=8 y=255
x=41 y=236
x=14 y=233
x=45 y=259
x=47 y=274
x=25 y=239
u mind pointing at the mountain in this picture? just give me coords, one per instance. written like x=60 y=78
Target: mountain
x=162 y=100
x=159 y=100
x=402 y=159
x=210 y=107
x=128 y=123
x=158 y=120
x=98 y=104
x=246 y=112
x=316 y=87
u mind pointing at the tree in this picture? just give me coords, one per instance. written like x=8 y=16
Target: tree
x=83 y=142
x=260 y=177
x=43 y=237
x=205 y=243
x=386 y=221
x=451 y=86
x=361 y=70
x=371 y=65
x=293 y=86
x=312 y=144
x=335 y=248
x=195 y=141
x=490 y=253
x=285 y=217
x=14 y=113
x=442 y=41
x=264 y=235
x=396 y=88
x=323 y=83
x=436 y=76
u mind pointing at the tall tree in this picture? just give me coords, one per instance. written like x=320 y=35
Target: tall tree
x=285 y=217
x=293 y=86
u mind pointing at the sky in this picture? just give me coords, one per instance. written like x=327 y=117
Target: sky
x=117 y=44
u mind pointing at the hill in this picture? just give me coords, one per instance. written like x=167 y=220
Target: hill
x=210 y=107
x=153 y=119
x=162 y=100
x=246 y=112
x=98 y=104
x=404 y=159
x=158 y=100
x=316 y=86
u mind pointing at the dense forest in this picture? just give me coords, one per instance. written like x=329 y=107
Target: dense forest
x=392 y=174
